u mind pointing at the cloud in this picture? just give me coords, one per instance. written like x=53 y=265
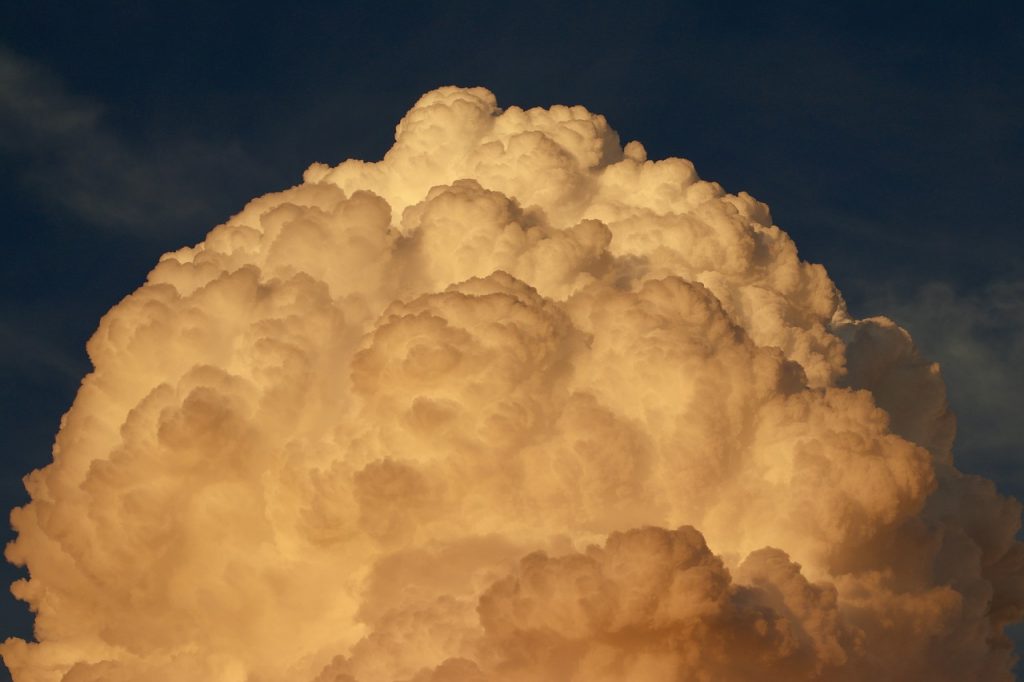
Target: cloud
x=979 y=339
x=23 y=345
x=512 y=403
x=648 y=604
x=68 y=156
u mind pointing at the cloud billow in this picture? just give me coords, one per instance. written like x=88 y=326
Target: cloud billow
x=514 y=403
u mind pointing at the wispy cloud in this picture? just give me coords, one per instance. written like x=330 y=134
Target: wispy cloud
x=28 y=346
x=978 y=339
x=70 y=159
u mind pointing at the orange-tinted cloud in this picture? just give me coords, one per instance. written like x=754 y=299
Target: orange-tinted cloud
x=514 y=403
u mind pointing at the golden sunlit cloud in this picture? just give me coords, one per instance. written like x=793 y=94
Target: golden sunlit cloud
x=514 y=404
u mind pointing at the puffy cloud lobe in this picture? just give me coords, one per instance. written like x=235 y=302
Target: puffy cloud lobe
x=456 y=415
x=658 y=605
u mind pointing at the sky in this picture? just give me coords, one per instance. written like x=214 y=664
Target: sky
x=887 y=141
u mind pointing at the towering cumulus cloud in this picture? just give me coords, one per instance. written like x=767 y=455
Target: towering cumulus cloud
x=514 y=404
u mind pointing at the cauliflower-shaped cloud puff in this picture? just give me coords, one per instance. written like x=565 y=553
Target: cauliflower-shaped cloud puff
x=513 y=404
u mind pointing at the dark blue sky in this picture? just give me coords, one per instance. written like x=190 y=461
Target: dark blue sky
x=888 y=141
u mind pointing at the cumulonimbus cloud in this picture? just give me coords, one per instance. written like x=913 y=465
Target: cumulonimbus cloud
x=513 y=404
